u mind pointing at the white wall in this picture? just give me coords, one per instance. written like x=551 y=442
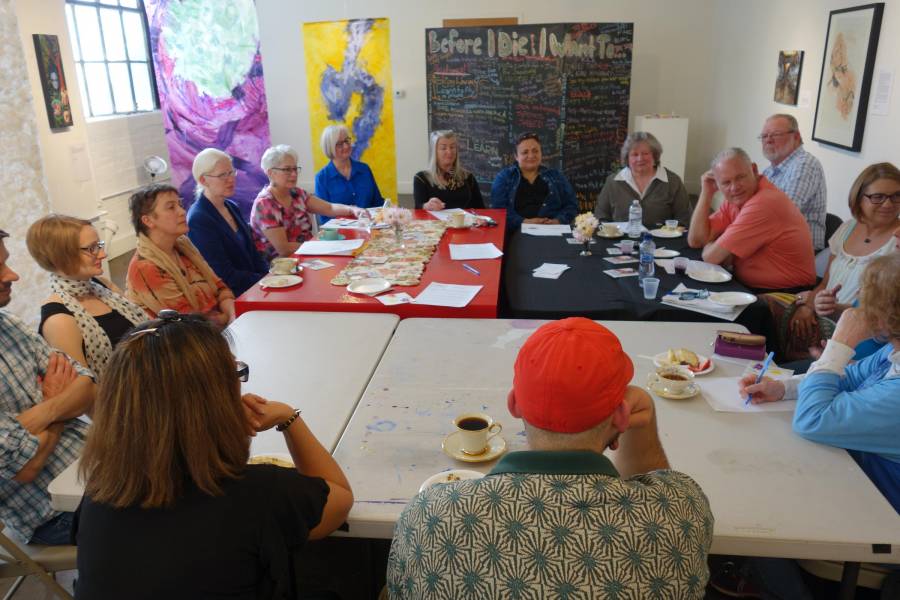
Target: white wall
x=670 y=69
x=747 y=39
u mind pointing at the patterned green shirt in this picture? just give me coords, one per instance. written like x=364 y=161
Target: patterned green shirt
x=554 y=525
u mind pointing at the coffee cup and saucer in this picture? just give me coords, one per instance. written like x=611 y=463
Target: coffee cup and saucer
x=476 y=439
x=284 y=266
x=610 y=231
x=674 y=383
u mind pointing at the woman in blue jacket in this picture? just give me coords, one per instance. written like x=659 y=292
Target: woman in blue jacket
x=216 y=226
x=530 y=192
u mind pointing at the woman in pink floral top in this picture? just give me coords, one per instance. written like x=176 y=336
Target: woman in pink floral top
x=282 y=214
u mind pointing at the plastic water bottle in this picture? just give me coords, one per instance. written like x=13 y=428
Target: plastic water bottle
x=646 y=267
x=635 y=219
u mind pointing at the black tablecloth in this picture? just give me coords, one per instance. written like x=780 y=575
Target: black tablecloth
x=585 y=290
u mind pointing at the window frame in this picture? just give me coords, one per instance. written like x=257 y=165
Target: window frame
x=80 y=62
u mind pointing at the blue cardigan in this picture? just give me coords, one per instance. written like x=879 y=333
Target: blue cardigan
x=560 y=203
x=231 y=254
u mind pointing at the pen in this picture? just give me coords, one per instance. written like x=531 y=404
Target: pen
x=762 y=372
x=471 y=268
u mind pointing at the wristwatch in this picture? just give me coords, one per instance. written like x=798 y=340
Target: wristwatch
x=289 y=422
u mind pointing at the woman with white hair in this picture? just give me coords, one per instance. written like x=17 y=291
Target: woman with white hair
x=660 y=191
x=345 y=180
x=280 y=218
x=445 y=184
x=216 y=226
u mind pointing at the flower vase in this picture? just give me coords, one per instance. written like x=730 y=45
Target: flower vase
x=587 y=248
x=398 y=234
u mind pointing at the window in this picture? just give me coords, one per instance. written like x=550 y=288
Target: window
x=112 y=56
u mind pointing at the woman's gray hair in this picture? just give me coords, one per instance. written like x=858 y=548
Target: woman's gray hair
x=275 y=155
x=330 y=137
x=637 y=137
x=457 y=173
x=204 y=162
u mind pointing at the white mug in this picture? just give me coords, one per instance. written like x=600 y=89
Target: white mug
x=458 y=220
x=474 y=430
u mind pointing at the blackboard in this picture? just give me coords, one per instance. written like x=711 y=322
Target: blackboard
x=567 y=82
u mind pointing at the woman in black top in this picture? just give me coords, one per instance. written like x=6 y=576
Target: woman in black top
x=84 y=316
x=171 y=507
x=445 y=184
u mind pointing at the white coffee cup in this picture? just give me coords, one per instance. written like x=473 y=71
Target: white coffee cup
x=610 y=229
x=475 y=430
x=458 y=220
x=283 y=265
x=671 y=379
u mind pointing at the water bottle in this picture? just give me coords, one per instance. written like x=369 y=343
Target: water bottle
x=635 y=219
x=647 y=267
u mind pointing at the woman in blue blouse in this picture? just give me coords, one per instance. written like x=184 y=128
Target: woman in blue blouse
x=345 y=180
x=216 y=226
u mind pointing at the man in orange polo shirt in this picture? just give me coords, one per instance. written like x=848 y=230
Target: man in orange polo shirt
x=757 y=229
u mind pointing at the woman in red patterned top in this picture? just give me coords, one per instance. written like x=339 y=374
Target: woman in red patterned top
x=280 y=217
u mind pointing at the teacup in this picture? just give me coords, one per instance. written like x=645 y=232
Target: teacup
x=458 y=220
x=671 y=379
x=329 y=234
x=610 y=229
x=475 y=430
x=627 y=246
x=671 y=224
x=283 y=265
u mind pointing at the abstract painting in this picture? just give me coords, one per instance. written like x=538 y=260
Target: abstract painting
x=53 y=81
x=850 y=45
x=348 y=73
x=787 y=80
x=211 y=90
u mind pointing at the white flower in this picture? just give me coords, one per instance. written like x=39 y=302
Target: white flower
x=394 y=215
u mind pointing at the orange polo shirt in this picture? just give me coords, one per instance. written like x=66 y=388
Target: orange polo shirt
x=769 y=239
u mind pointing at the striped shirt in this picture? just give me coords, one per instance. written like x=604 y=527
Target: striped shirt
x=23 y=358
x=801 y=177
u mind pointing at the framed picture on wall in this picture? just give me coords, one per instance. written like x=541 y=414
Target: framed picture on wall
x=850 y=44
x=787 y=80
x=53 y=81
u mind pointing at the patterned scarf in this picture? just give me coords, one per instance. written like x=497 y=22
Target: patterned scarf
x=97 y=347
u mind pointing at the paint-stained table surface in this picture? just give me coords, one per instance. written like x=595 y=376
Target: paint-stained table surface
x=772 y=493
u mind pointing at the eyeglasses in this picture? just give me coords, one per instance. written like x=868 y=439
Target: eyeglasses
x=225 y=175
x=347 y=142
x=775 y=134
x=288 y=170
x=881 y=198
x=94 y=249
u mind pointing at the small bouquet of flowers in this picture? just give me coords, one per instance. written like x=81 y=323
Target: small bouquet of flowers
x=394 y=215
x=583 y=230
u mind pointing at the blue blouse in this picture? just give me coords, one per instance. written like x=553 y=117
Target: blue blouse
x=360 y=190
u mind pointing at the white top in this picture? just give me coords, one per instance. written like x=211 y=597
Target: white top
x=847 y=268
x=628 y=177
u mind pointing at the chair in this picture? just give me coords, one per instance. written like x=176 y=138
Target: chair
x=21 y=560
x=871 y=576
x=832 y=222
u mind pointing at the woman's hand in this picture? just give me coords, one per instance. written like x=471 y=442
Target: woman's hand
x=434 y=204
x=262 y=414
x=537 y=221
x=767 y=390
x=826 y=301
x=852 y=328
x=357 y=212
x=803 y=322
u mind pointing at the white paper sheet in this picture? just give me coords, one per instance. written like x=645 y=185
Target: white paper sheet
x=721 y=393
x=330 y=248
x=345 y=223
x=545 y=230
x=474 y=251
x=444 y=215
x=448 y=294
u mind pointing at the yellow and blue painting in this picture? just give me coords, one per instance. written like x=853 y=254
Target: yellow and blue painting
x=348 y=71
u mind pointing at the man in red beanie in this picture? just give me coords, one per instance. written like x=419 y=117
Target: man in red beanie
x=560 y=520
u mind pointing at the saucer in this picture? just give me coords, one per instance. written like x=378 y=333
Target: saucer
x=449 y=477
x=370 y=286
x=665 y=253
x=280 y=281
x=613 y=236
x=692 y=390
x=665 y=233
x=340 y=236
x=496 y=447
x=732 y=298
x=709 y=275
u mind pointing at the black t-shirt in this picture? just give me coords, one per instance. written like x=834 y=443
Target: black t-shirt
x=531 y=196
x=237 y=545
x=112 y=323
x=466 y=196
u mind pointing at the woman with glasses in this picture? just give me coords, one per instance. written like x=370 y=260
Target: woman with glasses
x=280 y=218
x=216 y=226
x=167 y=484
x=531 y=192
x=167 y=270
x=804 y=319
x=85 y=315
x=345 y=180
x=445 y=184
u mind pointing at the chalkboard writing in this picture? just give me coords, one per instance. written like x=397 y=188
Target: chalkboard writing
x=567 y=82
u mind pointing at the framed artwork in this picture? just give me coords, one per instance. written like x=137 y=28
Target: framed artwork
x=53 y=81
x=787 y=80
x=850 y=45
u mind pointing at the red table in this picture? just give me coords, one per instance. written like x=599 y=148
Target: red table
x=317 y=294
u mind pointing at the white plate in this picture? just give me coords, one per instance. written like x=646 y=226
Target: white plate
x=371 y=285
x=665 y=253
x=665 y=233
x=660 y=361
x=709 y=275
x=451 y=447
x=611 y=236
x=449 y=476
x=280 y=281
x=732 y=298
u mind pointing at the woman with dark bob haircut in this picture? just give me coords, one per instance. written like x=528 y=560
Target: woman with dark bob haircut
x=168 y=486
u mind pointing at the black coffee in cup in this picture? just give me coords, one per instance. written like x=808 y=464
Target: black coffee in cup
x=472 y=424
x=680 y=270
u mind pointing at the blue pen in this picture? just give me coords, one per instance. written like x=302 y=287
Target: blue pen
x=762 y=372
x=471 y=268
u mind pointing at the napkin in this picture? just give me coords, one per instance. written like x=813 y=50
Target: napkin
x=550 y=271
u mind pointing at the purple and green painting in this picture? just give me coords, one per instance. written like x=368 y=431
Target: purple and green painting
x=211 y=91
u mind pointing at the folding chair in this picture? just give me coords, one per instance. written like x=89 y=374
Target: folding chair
x=21 y=560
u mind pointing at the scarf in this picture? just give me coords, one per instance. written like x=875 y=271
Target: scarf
x=97 y=347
